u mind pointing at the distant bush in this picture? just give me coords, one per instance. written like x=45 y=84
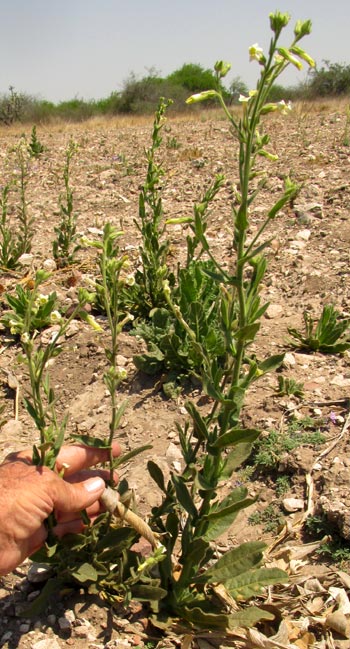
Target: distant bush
x=332 y=79
x=140 y=96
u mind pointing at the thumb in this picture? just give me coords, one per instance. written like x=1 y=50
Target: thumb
x=80 y=495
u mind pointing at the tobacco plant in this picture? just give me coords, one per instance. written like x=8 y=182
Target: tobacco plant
x=146 y=292
x=184 y=578
x=65 y=244
x=193 y=514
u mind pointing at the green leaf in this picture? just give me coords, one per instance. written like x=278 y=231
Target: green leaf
x=230 y=509
x=184 y=496
x=156 y=474
x=248 y=617
x=143 y=592
x=248 y=332
x=251 y=583
x=271 y=363
x=85 y=572
x=233 y=563
x=236 y=457
x=200 y=427
x=126 y=457
x=218 y=526
x=150 y=363
x=92 y=442
x=116 y=540
x=236 y=436
x=51 y=588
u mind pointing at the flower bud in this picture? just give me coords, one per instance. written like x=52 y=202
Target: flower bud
x=201 y=96
x=222 y=68
x=278 y=21
x=303 y=55
x=286 y=54
x=302 y=28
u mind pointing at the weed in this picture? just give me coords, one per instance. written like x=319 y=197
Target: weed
x=65 y=245
x=327 y=335
x=282 y=485
x=173 y=143
x=271 y=518
x=290 y=387
x=35 y=147
x=337 y=548
x=269 y=449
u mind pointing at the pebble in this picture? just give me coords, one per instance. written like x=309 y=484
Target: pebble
x=274 y=311
x=38 y=573
x=49 y=265
x=293 y=504
x=47 y=643
x=289 y=360
x=12 y=427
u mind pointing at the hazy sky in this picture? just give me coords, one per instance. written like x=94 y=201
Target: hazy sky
x=60 y=49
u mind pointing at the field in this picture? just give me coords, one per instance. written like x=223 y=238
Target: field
x=308 y=267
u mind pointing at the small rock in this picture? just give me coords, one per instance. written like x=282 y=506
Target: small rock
x=64 y=624
x=26 y=259
x=173 y=453
x=38 y=573
x=303 y=235
x=122 y=360
x=289 y=360
x=274 y=311
x=340 y=381
x=293 y=504
x=49 y=265
x=24 y=628
x=12 y=427
x=47 y=643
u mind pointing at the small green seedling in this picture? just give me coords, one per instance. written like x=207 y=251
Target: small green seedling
x=329 y=335
x=289 y=387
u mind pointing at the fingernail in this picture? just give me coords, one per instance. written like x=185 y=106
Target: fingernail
x=95 y=484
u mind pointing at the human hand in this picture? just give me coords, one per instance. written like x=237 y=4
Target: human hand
x=29 y=494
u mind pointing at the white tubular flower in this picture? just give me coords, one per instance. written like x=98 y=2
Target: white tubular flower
x=284 y=108
x=256 y=53
x=55 y=317
x=122 y=374
x=41 y=299
x=130 y=280
x=92 y=322
x=25 y=338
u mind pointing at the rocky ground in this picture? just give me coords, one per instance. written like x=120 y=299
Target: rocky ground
x=308 y=268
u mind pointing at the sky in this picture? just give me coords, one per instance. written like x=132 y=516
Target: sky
x=62 y=49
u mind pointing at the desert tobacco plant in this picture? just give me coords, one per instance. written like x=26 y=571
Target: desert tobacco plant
x=25 y=222
x=10 y=246
x=147 y=292
x=329 y=335
x=65 y=245
x=213 y=445
x=31 y=311
x=35 y=147
x=183 y=577
x=16 y=235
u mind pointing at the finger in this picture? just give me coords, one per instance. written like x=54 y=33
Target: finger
x=76 y=456
x=79 y=457
x=65 y=517
x=85 y=474
x=68 y=497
